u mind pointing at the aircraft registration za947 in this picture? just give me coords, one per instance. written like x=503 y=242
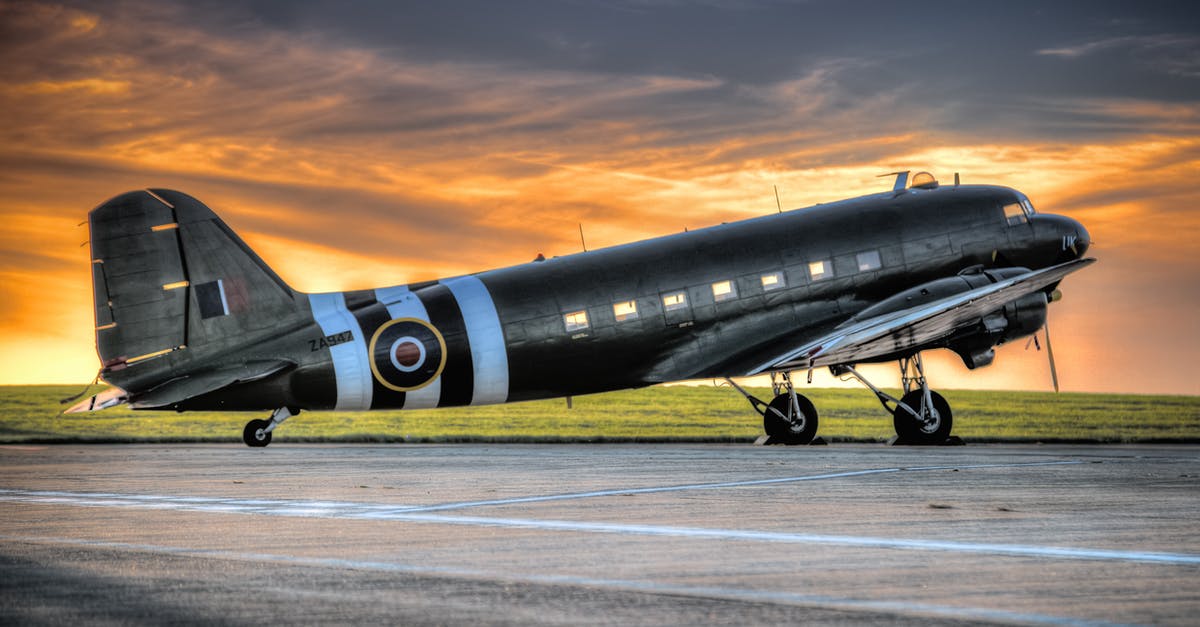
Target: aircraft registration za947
x=189 y=318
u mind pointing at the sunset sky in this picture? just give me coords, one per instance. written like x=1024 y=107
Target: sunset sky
x=357 y=145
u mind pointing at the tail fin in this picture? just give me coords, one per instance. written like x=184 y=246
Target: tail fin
x=174 y=284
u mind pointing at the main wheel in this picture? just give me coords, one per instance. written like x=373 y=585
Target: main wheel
x=789 y=428
x=933 y=427
x=255 y=434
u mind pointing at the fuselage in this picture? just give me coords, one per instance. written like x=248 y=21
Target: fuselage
x=704 y=303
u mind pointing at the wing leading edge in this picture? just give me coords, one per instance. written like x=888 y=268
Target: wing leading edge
x=898 y=331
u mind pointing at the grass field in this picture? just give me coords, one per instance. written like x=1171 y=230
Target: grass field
x=709 y=414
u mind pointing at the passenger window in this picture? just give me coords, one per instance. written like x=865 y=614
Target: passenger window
x=1014 y=213
x=674 y=300
x=576 y=320
x=723 y=290
x=819 y=270
x=773 y=281
x=625 y=310
x=868 y=261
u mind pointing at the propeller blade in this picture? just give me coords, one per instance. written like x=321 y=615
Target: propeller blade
x=1050 y=353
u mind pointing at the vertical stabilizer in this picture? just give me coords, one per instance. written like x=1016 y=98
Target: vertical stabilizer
x=174 y=284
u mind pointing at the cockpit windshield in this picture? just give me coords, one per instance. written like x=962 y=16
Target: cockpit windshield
x=1025 y=204
x=1019 y=211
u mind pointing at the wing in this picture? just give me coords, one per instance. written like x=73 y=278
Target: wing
x=898 y=331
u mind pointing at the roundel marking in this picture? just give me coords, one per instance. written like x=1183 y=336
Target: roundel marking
x=407 y=354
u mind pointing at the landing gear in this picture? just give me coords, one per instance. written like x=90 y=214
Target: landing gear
x=258 y=432
x=255 y=434
x=789 y=418
x=919 y=420
x=921 y=416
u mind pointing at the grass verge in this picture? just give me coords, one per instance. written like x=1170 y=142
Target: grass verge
x=30 y=414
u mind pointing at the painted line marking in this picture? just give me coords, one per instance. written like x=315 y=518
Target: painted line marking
x=624 y=585
x=379 y=512
x=715 y=486
x=174 y=501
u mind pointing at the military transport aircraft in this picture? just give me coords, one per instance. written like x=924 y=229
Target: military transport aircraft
x=189 y=318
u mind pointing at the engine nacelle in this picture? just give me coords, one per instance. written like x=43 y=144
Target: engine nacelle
x=1019 y=318
x=975 y=345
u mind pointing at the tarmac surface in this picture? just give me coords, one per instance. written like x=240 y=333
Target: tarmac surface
x=617 y=534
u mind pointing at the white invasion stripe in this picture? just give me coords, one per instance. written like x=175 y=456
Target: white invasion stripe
x=488 y=353
x=784 y=597
x=350 y=365
x=402 y=303
x=398 y=296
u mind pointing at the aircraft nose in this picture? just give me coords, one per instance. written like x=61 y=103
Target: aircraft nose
x=1080 y=241
x=1064 y=238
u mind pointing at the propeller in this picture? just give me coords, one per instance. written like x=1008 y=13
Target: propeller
x=1054 y=296
x=1050 y=354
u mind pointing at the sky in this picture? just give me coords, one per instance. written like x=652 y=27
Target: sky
x=363 y=144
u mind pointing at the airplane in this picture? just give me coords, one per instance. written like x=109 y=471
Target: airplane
x=188 y=317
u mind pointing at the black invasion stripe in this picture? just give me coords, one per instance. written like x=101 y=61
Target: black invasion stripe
x=458 y=378
x=359 y=299
x=370 y=316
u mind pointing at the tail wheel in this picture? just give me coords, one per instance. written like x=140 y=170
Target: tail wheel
x=934 y=424
x=787 y=427
x=255 y=433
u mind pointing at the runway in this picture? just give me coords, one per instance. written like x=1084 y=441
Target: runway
x=618 y=534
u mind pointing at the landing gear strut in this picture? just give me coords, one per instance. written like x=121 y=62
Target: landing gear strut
x=789 y=418
x=921 y=416
x=258 y=432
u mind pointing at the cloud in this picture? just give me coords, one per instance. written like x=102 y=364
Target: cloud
x=350 y=160
x=1169 y=53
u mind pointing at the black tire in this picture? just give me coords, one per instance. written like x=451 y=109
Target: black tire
x=253 y=435
x=933 y=428
x=788 y=429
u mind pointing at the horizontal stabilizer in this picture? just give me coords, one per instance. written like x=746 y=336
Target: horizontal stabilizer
x=108 y=398
x=191 y=386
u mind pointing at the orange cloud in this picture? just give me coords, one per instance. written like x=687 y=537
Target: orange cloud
x=347 y=168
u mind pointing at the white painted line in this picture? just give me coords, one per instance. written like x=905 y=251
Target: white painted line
x=714 y=486
x=624 y=585
x=394 y=509
x=379 y=512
